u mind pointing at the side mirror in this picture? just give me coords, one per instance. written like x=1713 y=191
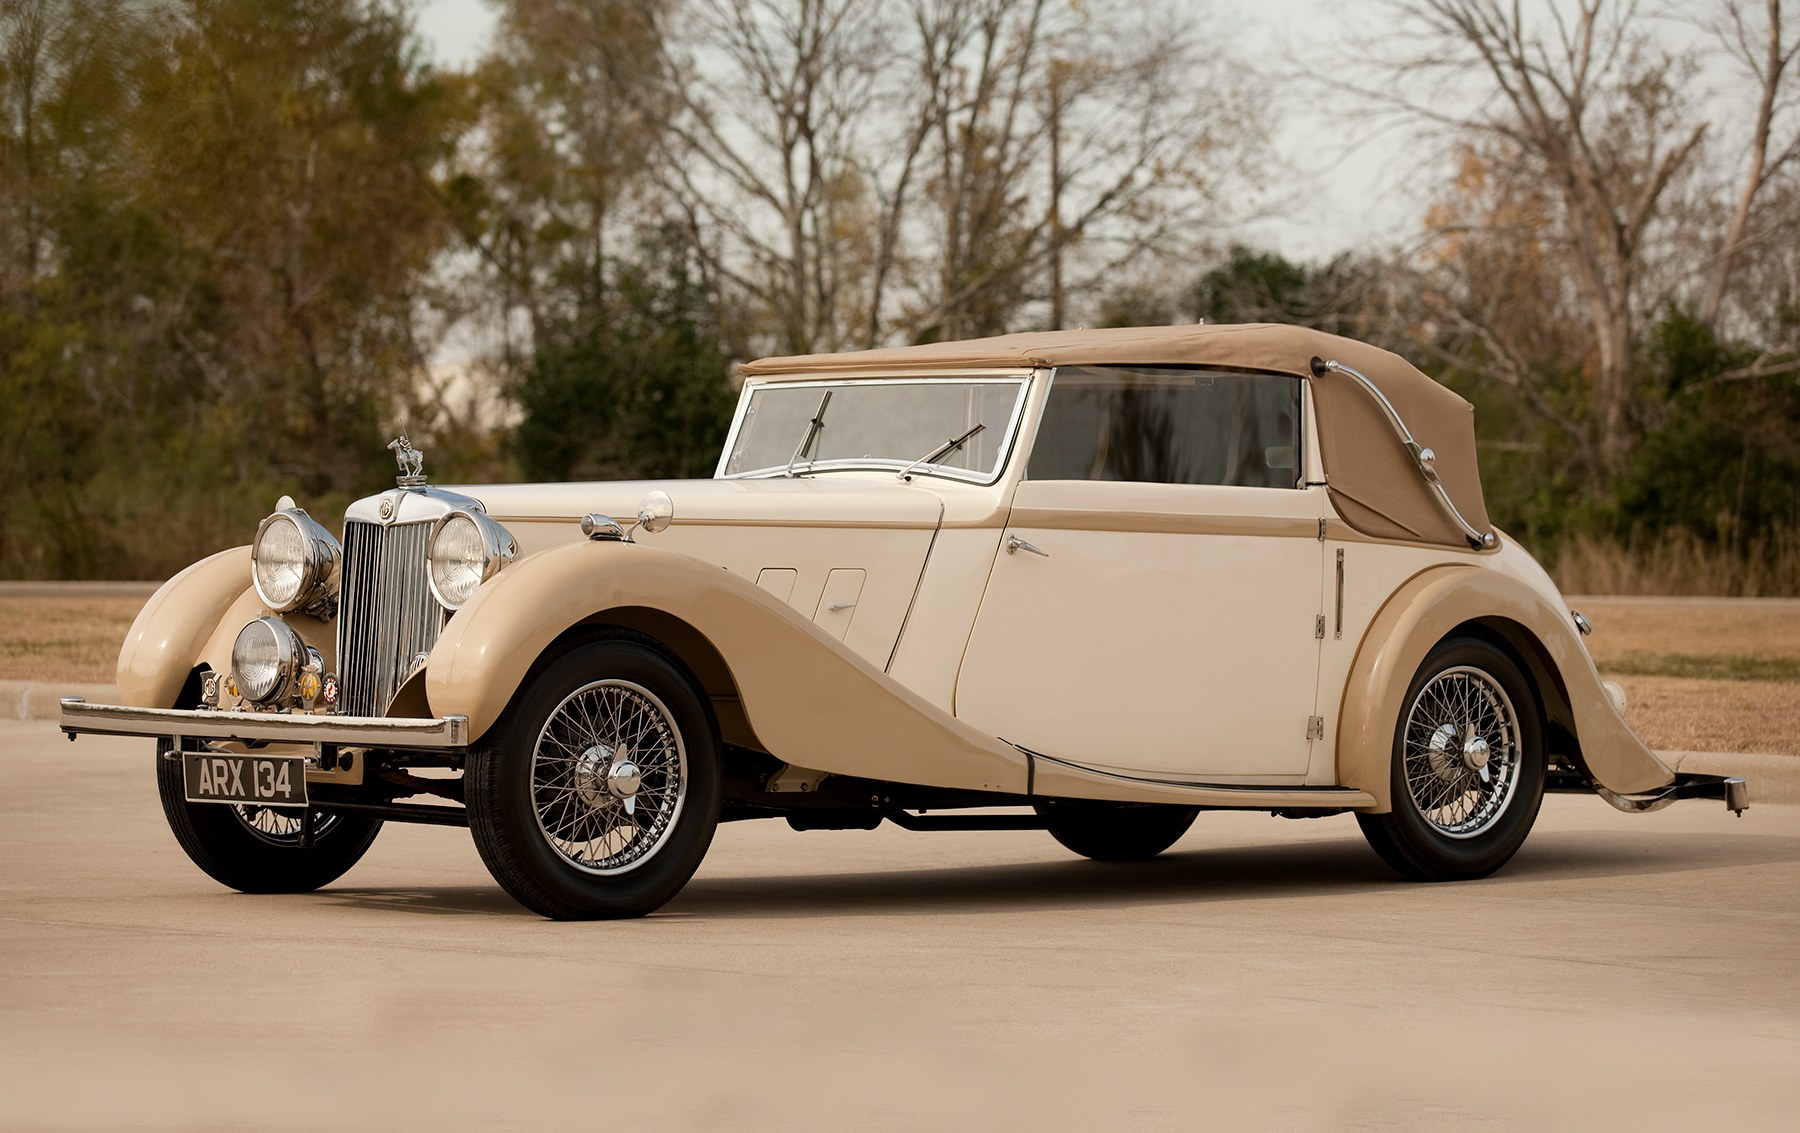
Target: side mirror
x=656 y=511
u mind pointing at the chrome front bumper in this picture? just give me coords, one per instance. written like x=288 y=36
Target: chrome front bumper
x=79 y=717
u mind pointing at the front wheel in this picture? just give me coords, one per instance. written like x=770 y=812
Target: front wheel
x=1115 y=832
x=596 y=794
x=258 y=849
x=1468 y=766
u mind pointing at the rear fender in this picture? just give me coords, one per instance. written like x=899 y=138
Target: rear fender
x=1433 y=604
x=805 y=698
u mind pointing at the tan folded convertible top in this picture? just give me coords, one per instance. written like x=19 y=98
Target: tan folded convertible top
x=1373 y=480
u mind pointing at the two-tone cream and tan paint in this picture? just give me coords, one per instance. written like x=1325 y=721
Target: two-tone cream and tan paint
x=170 y=634
x=856 y=625
x=854 y=544
x=778 y=682
x=801 y=693
x=1447 y=597
x=194 y=619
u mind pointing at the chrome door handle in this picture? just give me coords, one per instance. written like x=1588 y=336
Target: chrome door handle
x=1015 y=544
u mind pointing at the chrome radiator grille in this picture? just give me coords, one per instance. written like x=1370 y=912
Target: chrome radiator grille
x=386 y=614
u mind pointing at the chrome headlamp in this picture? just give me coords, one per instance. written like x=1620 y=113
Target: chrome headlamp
x=267 y=661
x=467 y=548
x=295 y=563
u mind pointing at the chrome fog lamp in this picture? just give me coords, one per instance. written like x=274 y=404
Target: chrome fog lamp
x=266 y=660
x=295 y=563
x=467 y=548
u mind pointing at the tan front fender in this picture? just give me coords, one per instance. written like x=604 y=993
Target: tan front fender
x=1427 y=608
x=808 y=699
x=173 y=628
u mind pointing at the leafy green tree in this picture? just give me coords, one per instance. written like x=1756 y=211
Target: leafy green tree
x=1723 y=459
x=633 y=385
x=226 y=219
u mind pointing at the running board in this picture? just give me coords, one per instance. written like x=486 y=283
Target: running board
x=1687 y=785
x=1061 y=778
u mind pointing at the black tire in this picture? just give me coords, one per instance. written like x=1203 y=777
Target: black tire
x=1115 y=832
x=590 y=707
x=1448 y=822
x=257 y=849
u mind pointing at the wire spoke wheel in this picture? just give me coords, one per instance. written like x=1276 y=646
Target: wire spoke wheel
x=280 y=826
x=1467 y=775
x=608 y=776
x=258 y=849
x=1462 y=751
x=596 y=793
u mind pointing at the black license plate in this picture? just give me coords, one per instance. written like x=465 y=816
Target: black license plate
x=267 y=780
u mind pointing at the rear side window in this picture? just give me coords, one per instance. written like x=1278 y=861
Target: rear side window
x=1170 y=426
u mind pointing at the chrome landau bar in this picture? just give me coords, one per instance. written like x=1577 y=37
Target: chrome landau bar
x=1423 y=458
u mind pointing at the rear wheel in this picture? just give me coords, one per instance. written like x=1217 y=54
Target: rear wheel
x=257 y=849
x=1468 y=766
x=1115 y=832
x=596 y=794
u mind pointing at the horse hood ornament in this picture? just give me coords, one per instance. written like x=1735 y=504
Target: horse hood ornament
x=411 y=462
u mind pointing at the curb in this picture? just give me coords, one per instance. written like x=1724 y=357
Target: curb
x=32 y=700
x=1773 y=778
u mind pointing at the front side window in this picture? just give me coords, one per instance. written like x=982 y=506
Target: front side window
x=1170 y=426
x=882 y=424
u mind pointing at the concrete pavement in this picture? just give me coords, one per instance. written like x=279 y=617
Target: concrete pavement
x=1624 y=972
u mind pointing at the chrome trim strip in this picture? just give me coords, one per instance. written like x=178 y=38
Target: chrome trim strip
x=1423 y=458
x=80 y=717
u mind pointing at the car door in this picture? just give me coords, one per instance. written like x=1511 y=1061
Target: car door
x=1165 y=624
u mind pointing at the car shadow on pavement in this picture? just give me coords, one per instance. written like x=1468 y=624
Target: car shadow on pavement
x=1308 y=869
x=1312 y=869
x=457 y=900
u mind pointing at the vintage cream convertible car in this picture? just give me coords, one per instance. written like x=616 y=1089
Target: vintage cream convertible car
x=1106 y=578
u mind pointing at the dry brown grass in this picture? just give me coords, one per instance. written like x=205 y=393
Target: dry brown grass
x=63 y=639
x=1686 y=714
x=1655 y=647
x=1678 y=563
x=1701 y=627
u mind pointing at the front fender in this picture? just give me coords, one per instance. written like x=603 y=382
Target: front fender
x=1426 y=609
x=171 y=631
x=807 y=698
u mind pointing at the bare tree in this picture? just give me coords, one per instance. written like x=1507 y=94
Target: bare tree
x=1585 y=103
x=1767 y=54
x=1069 y=140
x=772 y=96
x=928 y=170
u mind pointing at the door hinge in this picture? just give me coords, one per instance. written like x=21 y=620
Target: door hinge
x=1319 y=627
x=1321 y=529
x=1315 y=727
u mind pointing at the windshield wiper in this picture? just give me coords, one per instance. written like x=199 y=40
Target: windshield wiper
x=941 y=451
x=812 y=434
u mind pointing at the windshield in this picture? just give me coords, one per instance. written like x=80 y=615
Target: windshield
x=888 y=424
